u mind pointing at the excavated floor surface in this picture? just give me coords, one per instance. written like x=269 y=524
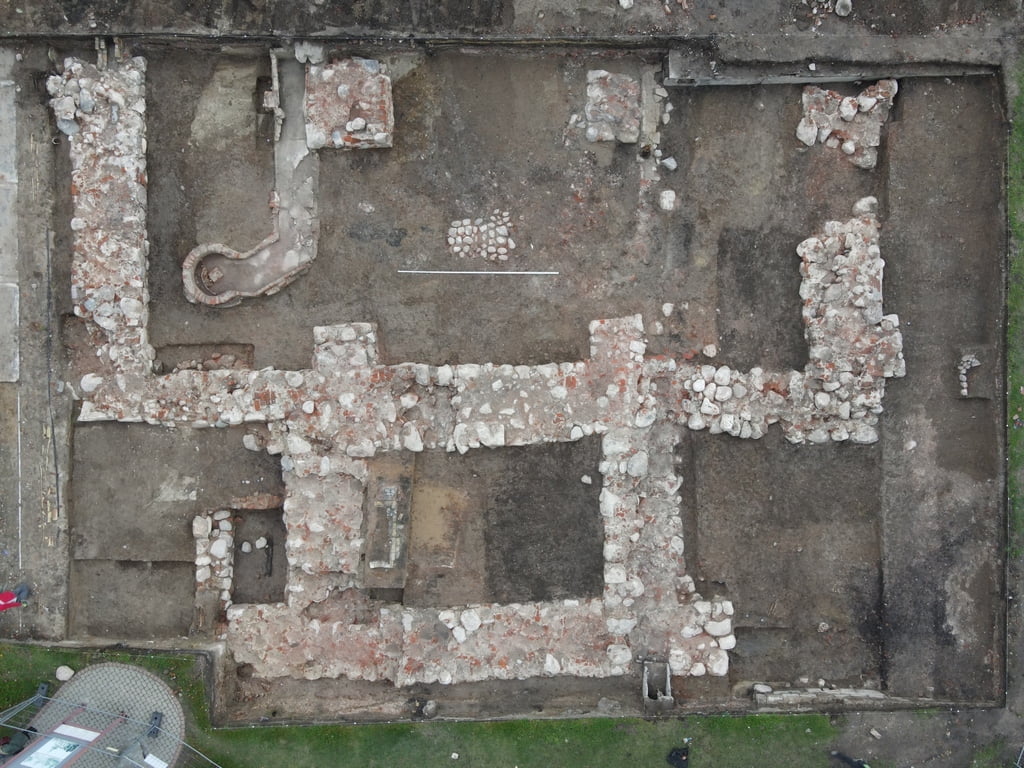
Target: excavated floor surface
x=872 y=565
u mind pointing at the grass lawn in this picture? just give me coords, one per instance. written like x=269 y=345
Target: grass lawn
x=719 y=741
x=1015 y=324
x=724 y=742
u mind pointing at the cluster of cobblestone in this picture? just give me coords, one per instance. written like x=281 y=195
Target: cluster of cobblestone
x=966 y=363
x=486 y=239
x=821 y=8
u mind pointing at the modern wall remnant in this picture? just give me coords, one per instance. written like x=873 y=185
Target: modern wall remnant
x=326 y=422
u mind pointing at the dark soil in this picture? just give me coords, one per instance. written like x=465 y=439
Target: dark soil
x=508 y=525
x=260 y=575
x=130 y=600
x=133 y=497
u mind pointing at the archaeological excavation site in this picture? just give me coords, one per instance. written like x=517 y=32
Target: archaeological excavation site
x=502 y=370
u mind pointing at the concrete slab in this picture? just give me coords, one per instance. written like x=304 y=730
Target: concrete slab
x=8 y=231
x=9 y=362
x=9 y=357
x=8 y=116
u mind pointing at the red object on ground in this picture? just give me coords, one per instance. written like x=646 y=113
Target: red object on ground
x=8 y=600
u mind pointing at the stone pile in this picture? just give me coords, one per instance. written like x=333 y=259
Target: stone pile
x=485 y=239
x=348 y=105
x=967 y=362
x=215 y=553
x=852 y=124
x=613 y=107
x=820 y=8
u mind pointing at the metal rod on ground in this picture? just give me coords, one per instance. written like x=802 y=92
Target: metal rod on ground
x=468 y=272
x=20 y=564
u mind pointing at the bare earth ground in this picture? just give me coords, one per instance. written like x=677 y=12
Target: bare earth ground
x=897 y=549
x=133 y=571
x=830 y=527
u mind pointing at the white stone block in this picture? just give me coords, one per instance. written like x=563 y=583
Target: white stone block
x=551 y=665
x=620 y=626
x=64 y=673
x=614 y=574
x=470 y=620
x=719 y=628
x=718 y=662
x=219 y=548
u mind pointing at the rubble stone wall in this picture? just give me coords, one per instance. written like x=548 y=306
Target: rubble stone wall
x=102 y=112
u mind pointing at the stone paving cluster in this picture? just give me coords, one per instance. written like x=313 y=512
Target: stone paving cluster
x=852 y=124
x=485 y=239
x=328 y=421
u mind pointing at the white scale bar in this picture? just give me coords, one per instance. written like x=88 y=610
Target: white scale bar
x=468 y=272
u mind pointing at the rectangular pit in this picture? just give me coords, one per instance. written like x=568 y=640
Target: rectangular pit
x=505 y=525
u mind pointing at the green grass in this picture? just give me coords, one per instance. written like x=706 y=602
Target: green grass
x=23 y=667
x=719 y=741
x=990 y=757
x=725 y=742
x=1015 y=323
